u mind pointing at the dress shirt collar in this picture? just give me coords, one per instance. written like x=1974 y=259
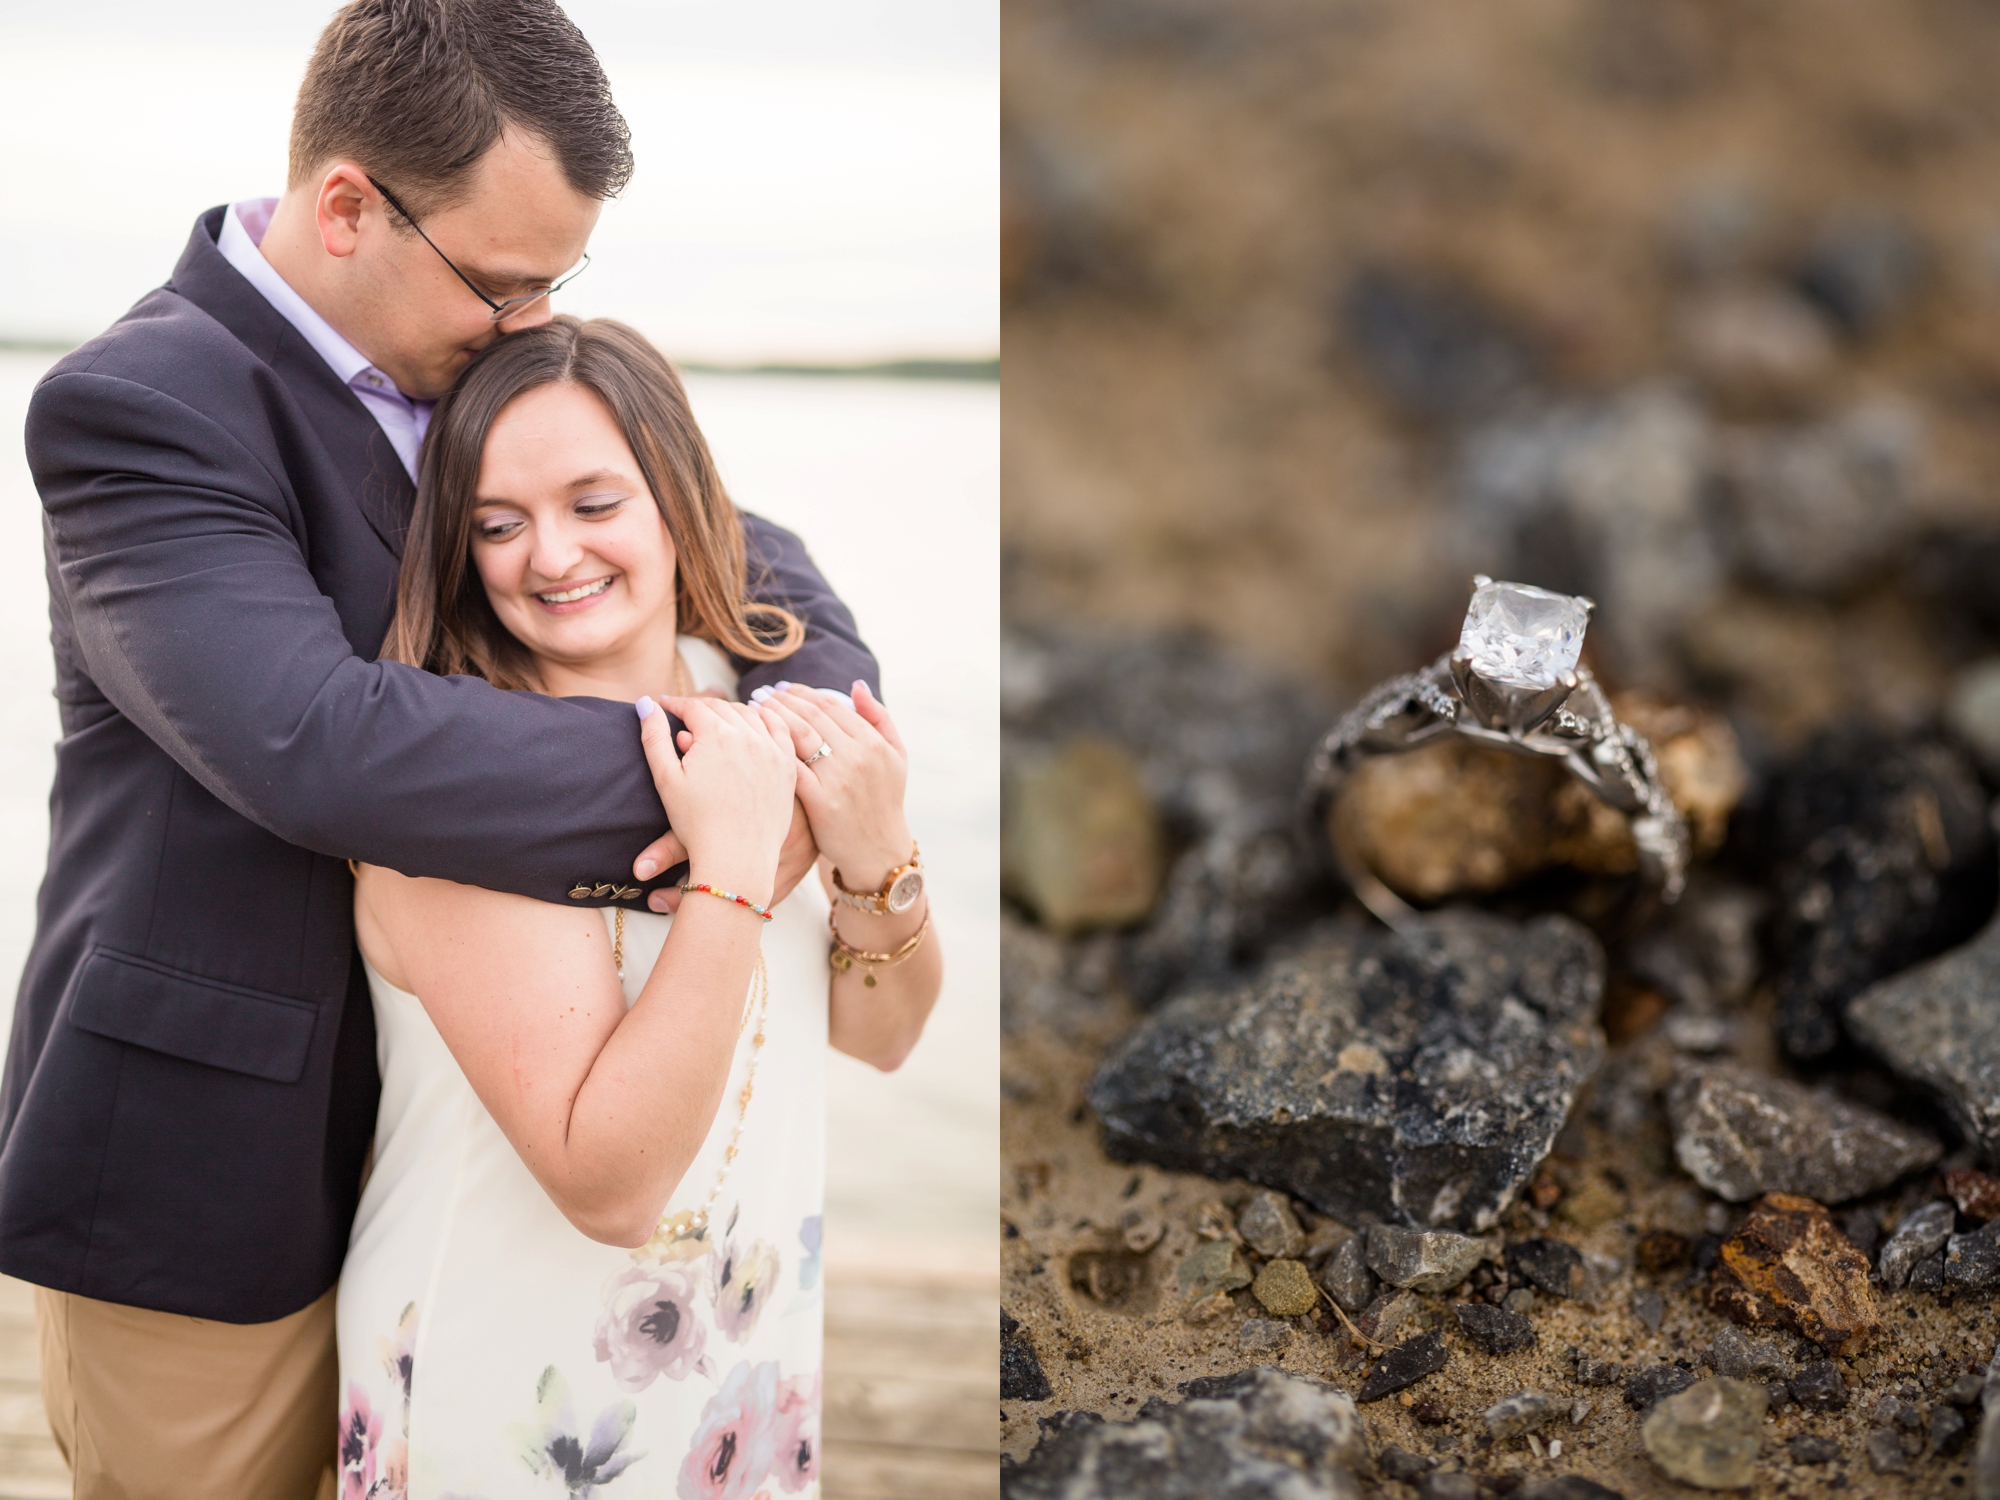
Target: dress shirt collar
x=240 y=250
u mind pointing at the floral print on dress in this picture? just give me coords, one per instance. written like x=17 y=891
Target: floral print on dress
x=554 y=1445
x=736 y=1439
x=360 y=1437
x=651 y=1327
x=745 y=1277
x=796 y=1461
x=375 y=1465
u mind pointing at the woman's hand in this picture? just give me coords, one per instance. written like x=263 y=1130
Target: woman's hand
x=727 y=786
x=853 y=796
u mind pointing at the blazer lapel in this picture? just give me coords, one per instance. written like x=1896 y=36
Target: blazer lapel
x=355 y=442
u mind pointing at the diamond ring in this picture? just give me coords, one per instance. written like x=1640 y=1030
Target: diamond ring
x=1514 y=681
x=820 y=754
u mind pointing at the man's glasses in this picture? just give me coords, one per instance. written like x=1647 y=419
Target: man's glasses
x=501 y=310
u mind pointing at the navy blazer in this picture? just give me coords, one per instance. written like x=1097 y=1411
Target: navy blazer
x=191 y=1086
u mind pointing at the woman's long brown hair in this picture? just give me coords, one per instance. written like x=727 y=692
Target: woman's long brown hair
x=444 y=622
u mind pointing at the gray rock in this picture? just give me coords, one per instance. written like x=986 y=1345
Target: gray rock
x=1448 y=1484
x=1816 y=509
x=1593 y=1371
x=1921 y=1235
x=1967 y=1390
x=1269 y=1226
x=1933 y=1024
x=1417 y=1077
x=1212 y=1266
x=1520 y=1300
x=1383 y=1317
x=1424 y=1260
x=1237 y=1437
x=1893 y=1411
x=1883 y=858
x=1708 y=1435
x=1948 y=1433
x=1864 y=269
x=1494 y=1329
x=1820 y=1387
x=1972 y=1262
x=1928 y=1275
x=1434 y=349
x=1811 y=1448
x=1861 y=1226
x=1649 y=1307
x=1403 y=1466
x=1346 y=1276
x=1021 y=1377
x=1263 y=1336
x=1557 y=1268
x=1524 y=1411
x=1884 y=1447
x=1735 y=1354
x=1645 y=1389
x=1741 y=1134
x=1404 y=1365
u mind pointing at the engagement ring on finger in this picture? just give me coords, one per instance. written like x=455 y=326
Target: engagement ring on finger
x=820 y=754
x=1514 y=681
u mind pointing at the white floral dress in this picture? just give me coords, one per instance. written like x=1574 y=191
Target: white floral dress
x=489 y=1350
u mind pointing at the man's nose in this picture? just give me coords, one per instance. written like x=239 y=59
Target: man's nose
x=533 y=315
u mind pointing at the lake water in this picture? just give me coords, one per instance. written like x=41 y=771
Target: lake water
x=895 y=486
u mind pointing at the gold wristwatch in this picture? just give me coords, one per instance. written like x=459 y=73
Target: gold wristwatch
x=898 y=893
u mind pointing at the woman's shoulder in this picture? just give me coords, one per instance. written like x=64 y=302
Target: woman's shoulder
x=395 y=914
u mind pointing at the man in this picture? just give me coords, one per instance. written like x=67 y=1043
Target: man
x=226 y=474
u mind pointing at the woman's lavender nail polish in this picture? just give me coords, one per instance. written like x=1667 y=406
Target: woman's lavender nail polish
x=645 y=708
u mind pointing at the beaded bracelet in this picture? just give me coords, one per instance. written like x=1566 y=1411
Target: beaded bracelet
x=716 y=890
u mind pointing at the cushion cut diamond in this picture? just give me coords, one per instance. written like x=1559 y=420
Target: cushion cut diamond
x=1521 y=635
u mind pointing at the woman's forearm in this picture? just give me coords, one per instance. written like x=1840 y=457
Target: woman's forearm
x=645 y=1107
x=879 y=1024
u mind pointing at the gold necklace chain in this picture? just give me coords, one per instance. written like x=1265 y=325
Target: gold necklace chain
x=692 y=1223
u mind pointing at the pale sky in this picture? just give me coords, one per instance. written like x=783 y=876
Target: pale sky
x=817 y=179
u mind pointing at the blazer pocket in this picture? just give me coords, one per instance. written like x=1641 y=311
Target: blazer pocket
x=135 y=1000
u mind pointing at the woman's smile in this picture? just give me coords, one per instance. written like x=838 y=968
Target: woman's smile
x=577 y=597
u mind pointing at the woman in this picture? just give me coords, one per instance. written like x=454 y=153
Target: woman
x=589 y=1249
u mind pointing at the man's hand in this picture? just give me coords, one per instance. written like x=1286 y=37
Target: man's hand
x=794 y=861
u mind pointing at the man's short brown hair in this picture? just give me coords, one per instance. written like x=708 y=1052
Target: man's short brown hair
x=417 y=91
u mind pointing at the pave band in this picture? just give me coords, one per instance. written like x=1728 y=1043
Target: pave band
x=1569 y=719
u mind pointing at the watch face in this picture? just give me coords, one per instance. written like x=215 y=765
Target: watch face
x=903 y=894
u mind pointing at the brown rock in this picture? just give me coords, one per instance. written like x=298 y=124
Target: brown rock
x=1660 y=1250
x=1788 y=1266
x=1976 y=1194
x=1080 y=841
x=1455 y=817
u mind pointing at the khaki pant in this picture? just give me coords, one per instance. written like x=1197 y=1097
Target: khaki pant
x=157 y=1406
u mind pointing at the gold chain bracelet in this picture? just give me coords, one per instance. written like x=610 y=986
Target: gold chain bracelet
x=845 y=955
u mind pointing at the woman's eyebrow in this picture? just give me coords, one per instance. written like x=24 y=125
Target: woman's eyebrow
x=597 y=476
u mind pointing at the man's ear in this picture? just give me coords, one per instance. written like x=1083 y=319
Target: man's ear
x=344 y=197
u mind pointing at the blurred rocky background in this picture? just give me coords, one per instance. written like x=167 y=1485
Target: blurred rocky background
x=1313 y=310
